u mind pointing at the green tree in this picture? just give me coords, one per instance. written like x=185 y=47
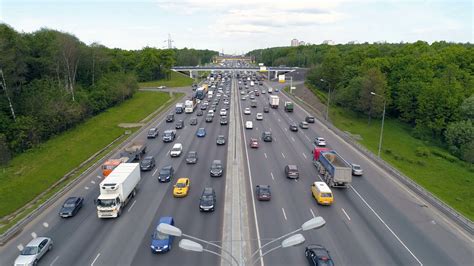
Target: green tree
x=459 y=136
x=373 y=81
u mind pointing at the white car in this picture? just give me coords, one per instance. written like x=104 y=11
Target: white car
x=34 y=251
x=248 y=124
x=210 y=112
x=223 y=112
x=176 y=150
x=320 y=142
x=259 y=116
x=247 y=111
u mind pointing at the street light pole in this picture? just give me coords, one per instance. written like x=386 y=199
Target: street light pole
x=291 y=241
x=383 y=120
x=329 y=98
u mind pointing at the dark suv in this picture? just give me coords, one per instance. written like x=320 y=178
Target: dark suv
x=309 y=119
x=147 y=163
x=267 y=136
x=192 y=157
x=170 y=118
x=318 y=255
x=291 y=171
x=152 y=133
x=166 y=173
x=216 y=168
x=207 y=202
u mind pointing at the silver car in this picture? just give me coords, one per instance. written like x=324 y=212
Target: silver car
x=34 y=251
x=357 y=170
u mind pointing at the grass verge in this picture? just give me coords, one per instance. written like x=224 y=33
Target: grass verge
x=34 y=171
x=176 y=80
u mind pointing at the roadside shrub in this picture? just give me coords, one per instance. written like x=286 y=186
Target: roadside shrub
x=420 y=163
x=388 y=151
x=422 y=152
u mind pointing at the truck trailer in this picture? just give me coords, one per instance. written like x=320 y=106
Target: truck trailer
x=117 y=189
x=334 y=170
x=274 y=101
x=189 y=106
x=289 y=106
x=132 y=152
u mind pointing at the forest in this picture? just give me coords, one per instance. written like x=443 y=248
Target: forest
x=50 y=81
x=428 y=86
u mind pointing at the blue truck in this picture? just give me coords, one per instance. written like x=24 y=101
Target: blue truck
x=334 y=170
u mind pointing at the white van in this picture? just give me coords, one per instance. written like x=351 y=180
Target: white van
x=176 y=150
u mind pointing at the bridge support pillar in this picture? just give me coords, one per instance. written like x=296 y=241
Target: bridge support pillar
x=276 y=74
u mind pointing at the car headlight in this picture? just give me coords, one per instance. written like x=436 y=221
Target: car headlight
x=165 y=246
x=152 y=247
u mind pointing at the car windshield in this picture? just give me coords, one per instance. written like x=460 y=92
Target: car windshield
x=29 y=251
x=216 y=166
x=206 y=197
x=146 y=161
x=160 y=236
x=176 y=149
x=264 y=190
x=326 y=195
x=181 y=185
x=191 y=155
x=106 y=202
x=164 y=172
x=69 y=204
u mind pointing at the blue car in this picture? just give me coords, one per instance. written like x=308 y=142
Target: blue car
x=201 y=132
x=161 y=243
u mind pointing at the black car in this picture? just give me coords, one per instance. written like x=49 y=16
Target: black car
x=192 y=157
x=291 y=171
x=71 y=206
x=318 y=255
x=147 y=163
x=220 y=140
x=293 y=127
x=193 y=121
x=166 y=174
x=152 y=133
x=209 y=118
x=179 y=124
x=309 y=119
x=208 y=199
x=263 y=192
x=266 y=109
x=170 y=118
x=267 y=136
x=199 y=113
x=223 y=120
x=216 y=168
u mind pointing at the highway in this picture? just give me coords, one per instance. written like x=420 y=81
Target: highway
x=376 y=221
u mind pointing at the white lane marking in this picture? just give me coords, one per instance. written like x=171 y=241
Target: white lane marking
x=345 y=213
x=284 y=214
x=54 y=261
x=279 y=120
x=131 y=206
x=272 y=176
x=283 y=155
x=307 y=137
x=45 y=224
x=270 y=129
x=20 y=247
x=383 y=222
x=96 y=257
x=167 y=153
x=256 y=128
x=265 y=155
x=296 y=179
x=286 y=129
x=34 y=235
x=293 y=139
x=99 y=177
x=304 y=155
x=178 y=137
x=312 y=213
x=92 y=181
x=154 y=172
x=86 y=187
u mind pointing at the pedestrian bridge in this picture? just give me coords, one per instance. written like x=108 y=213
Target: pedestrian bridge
x=195 y=69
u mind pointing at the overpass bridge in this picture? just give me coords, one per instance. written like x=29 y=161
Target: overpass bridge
x=269 y=70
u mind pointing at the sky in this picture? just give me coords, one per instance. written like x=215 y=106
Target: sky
x=238 y=26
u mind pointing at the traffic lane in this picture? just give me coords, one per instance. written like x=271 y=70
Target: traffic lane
x=413 y=222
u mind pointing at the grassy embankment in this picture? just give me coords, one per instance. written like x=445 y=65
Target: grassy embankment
x=432 y=167
x=34 y=171
x=177 y=80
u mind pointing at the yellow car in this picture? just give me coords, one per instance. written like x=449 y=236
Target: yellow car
x=181 y=188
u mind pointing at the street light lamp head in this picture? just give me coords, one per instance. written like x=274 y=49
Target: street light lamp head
x=373 y=93
x=322 y=80
x=168 y=229
x=315 y=223
x=292 y=241
x=187 y=244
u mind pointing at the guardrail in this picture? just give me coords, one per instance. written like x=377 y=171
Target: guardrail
x=454 y=215
x=18 y=227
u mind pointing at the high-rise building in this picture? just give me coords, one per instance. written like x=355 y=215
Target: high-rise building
x=329 y=42
x=294 y=42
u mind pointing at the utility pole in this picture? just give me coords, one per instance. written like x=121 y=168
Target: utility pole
x=169 y=42
x=4 y=86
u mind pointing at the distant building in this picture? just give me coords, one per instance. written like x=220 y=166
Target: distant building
x=353 y=42
x=301 y=43
x=328 y=42
x=294 y=42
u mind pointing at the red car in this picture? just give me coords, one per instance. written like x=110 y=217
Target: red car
x=254 y=143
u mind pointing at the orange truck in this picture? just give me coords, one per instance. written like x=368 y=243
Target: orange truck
x=132 y=152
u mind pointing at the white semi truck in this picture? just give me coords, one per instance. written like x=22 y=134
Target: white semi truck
x=274 y=101
x=117 y=189
x=189 y=106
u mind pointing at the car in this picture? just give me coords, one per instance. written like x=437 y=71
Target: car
x=259 y=116
x=207 y=202
x=293 y=127
x=201 y=132
x=318 y=255
x=243 y=98
x=169 y=135
x=263 y=192
x=216 y=168
x=277 y=89
x=179 y=124
x=304 y=125
x=199 y=113
x=152 y=133
x=223 y=112
x=166 y=173
x=320 y=141
x=253 y=104
x=264 y=91
x=147 y=163
x=203 y=106
x=161 y=243
x=248 y=124
x=267 y=136
x=253 y=143
x=226 y=101
x=192 y=157
x=357 y=170
x=223 y=120
x=169 y=118
x=209 y=118
x=210 y=113
x=71 y=206
x=266 y=109
x=291 y=171
x=257 y=93
x=181 y=188
x=34 y=251
x=220 y=140
x=242 y=92
x=161 y=87
x=176 y=150
x=193 y=121
x=309 y=119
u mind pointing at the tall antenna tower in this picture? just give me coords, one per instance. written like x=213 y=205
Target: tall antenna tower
x=169 y=42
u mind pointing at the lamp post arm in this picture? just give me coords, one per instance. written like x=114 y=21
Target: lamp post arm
x=273 y=241
x=214 y=245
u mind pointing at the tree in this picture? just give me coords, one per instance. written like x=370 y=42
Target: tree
x=373 y=81
x=5 y=155
x=467 y=108
x=332 y=68
x=70 y=52
x=459 y=135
